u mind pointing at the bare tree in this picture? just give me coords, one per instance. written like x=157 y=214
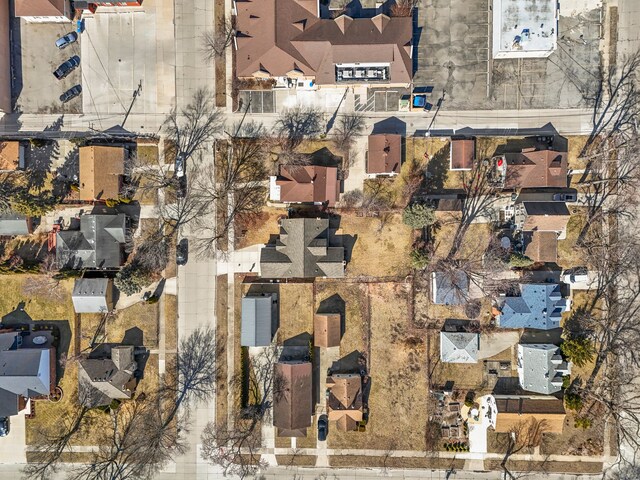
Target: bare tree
x=403 y=8
x=524 y=435
x=297 y=123
x=349 y=127
x=216 y=42
x=197 y=123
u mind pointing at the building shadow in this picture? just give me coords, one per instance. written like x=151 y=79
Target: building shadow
x=354 y=362
x=334 y=304
x=390 y=125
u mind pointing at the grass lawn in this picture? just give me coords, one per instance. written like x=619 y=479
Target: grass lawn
x=545 y=467
x=297 y=460
x=397 y=357
x=146 y=196
x=151 y=376
x=142 y=315
x=147 y=154
x=296 y=313
x=170 y=322
x=54 y=306
x=395 y=462
x=221 y=335
x=576 y=440
x=257 y=228
x=576 y=143
x=89 y=323
x=473 y=245
x=568 y=254
x=378 y=252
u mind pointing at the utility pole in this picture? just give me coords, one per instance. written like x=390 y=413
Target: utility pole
x=136 y=92
x=440 y=101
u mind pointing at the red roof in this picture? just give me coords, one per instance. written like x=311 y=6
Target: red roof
x=309 y=184
x=462 y=153
x=385 y=153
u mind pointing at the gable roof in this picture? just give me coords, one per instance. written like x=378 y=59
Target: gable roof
x=110 y=377
x=541 y=246
x=385 y=153
x=292 y=405
x=280 y=37
x=459 y=347
x=540 y=306
x=541 y=368
x=301 y=251
x=449 y=288
x=344 y=403
x=10 y=153
x=536 y=166
x=461 y=154
x=14 y=224
x=101 y=170
x=40 y=8
x=308 y=184
x=256 y=321
x=326 y=329
x=514 y=410
x=25 y=371
x=90 y=295
x=98 y=243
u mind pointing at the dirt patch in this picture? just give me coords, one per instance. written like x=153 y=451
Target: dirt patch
x=575 y=440
x=377 y=252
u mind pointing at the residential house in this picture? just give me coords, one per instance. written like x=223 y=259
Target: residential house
x=542 y=217
x=98 y=244
x=287 y=38
x=11 y=156
x=44 y=11
x=384 y=156
x=541 y=246
x=449 y=288
x=539 y=306
x=5 y=58
x=541 y=368
x=534 y=162
x=514 y=410
x=462 y=153
x=106 y=374
x=259 y=313
x=12 y=224
x=101 y=172
x=327 y=330
x=344 y=400
x=92 y=295
x=303 y=249
x=459 y=346
x=25 y=373
x=293 y=405
x=311 y=184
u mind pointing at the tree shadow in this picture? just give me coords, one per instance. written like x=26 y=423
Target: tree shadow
x=67 y=174
x=438 y=169
x=40 y=155
x=325 y=158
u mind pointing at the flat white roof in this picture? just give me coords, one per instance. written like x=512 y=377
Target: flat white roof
x=524 y=28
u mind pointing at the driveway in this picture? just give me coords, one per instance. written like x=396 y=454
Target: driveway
x=13 y=446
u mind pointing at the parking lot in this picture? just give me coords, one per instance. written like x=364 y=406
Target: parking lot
x=454 y=54
x=35 y=57
x=129 y=51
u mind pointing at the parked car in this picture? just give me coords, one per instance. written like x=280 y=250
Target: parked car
x=323 y=428
x=565 y=197
x=182 y=252
x=180 y=165
x=67 y=67
x=67 y=40
x=575 y=275
x=4 y=426
x=73 y=92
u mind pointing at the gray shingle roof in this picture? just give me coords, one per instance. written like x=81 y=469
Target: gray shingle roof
x=459 y=347
x=25 y=371
x=90 y=295
x=541 y=368
x=450 y=288
x=256 y=321
x=302 y=250
x=109 y=378
x=98 y=243
x=540 y=306
x=14 y=224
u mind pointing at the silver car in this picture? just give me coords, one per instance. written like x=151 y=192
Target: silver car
x=67 y=40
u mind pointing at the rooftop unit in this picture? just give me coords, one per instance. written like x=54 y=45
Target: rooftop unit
x=362 y=72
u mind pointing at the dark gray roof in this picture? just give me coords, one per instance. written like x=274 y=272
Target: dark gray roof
x=108 y=378
x=546 y=208
x=25 y=371
x=256 y=321
x=8 y=403
x=8 y=341
x=450 y=288
x=302 y=250
x=98 y=243
x=14 y=224
x=540 y=305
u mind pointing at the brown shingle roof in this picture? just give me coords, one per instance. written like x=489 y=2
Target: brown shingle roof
x=344 y=404
x=536 y=168
x=385 y=152
x=40 y=8
x=541 y=246
x=292 y=403
x=276 y=37
x=101 y=170
x=512 y=411
x=326 y=330
x=309 y=184
x=462 y=153
x=9 y=155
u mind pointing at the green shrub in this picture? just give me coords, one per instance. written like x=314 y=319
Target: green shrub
x=566 y=381
x=517 y=260
x=419 y=258
x=582 y=422
x=579 y=350
x=418 y=216
x=573 y=401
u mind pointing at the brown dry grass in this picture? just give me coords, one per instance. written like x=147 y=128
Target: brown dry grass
x=170 y=322
x=378 y=253
x=575 y=440
x=398 y=379
x=151 y=375
x=257 y=228
x=39 y=307
x=142 y=315
x=89 y=323
x=296 y=460
x=547 y=467
x=568 y=254
x=474 y=244
x=296 y=310
x=576 y=143
x=395 y=462
x=221 y=335
x=147 y=154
